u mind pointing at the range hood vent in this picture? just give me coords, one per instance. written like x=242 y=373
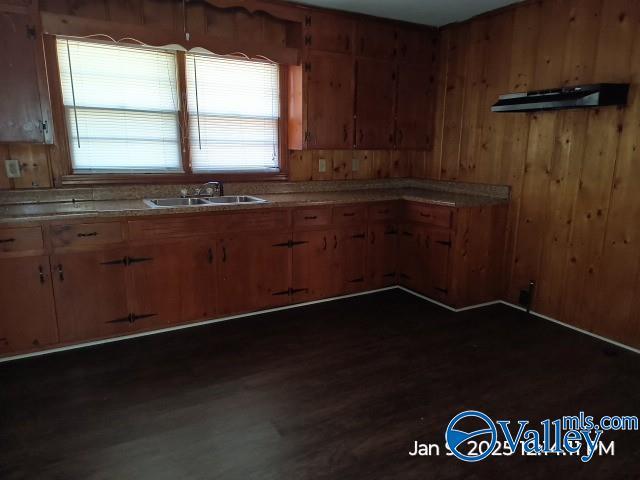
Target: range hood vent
x=582 y=96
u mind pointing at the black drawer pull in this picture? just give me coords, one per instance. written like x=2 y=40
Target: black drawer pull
x=311 y=217
x=358 y=235
x=210 y=256
x=60 y=272
x=41 y=273
x=7 y=240
x=90 y=234
x=425 y=215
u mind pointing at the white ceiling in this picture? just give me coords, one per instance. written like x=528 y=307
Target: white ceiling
x=428 y=12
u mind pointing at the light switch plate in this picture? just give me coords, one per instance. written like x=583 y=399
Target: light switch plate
x=355 y=164
x=12 y=168
x=322 y=165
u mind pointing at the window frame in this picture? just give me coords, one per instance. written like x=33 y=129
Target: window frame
x=60 y=153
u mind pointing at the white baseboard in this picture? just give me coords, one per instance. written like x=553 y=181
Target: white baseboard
x=297 y=305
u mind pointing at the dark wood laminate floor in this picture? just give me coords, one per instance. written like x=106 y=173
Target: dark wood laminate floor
x=339 y=390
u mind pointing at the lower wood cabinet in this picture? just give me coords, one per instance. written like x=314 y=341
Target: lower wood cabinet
x=86 y=291
x=382 y=253
x=91 y=294
x=254 y=271
x=27 y=314
x=313 y=265
x=172 y=282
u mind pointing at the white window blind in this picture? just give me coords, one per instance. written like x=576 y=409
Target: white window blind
x=121 y=107
x=234 y=112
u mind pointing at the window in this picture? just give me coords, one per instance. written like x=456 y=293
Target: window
x=122 y=107
x=234 y=114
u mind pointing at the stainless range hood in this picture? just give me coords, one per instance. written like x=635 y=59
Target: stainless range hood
x=581 y=96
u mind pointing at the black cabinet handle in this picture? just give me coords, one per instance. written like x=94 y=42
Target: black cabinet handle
x=41 y=273
x=335 y=242
x=60 y=272
x=345 y=133
x=7 y=240
x=132 y=260
x=210 y=255
x=224 y=254
x=358 y=235
x=90 y=234
x=373 y=238
x=349 y=214
x=121 y=261
x=324 y=246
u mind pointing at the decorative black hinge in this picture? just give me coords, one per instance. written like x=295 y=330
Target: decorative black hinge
x=307 y=21
x=132 y=260
x=307 y=39
x=122 y=261
x=31 y=31
x=443 y=242
x=290 y=243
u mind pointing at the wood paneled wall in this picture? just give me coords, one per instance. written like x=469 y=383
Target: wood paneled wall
x=574 y=223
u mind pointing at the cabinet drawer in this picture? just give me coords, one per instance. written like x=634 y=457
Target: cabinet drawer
x=383 y=212
x=171 y=228
x=430 y=214
x=265 y=220
x=311 y=217
x=86 y=234
x=350 y=215
x=20 y=239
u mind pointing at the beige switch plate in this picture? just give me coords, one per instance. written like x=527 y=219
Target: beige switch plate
x=355 y=164
x=12 y=167
x=322 y=165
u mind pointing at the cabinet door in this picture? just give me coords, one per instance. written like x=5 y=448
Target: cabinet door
x=414 y=127
x=254 y=272
x=436 y=260
x=350 y=259
x=329 y=32
x=375 y=39
x=330 y=80
x=28 y=315
x=313 y=274
x=410 y=271
x=382 y=249
x=21 y=118
x=376 y=87
x=91 y=294
x=172 y=283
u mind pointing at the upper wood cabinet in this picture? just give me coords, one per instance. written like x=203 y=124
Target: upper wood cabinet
x=24 y=115
x=329 y=32
x=375 y=38
x=330 y=100
x=376 y=88
x=414 y=111
x=416 y=45
x=27 y=318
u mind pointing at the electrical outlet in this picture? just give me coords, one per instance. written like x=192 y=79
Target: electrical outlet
x=355 y=164
x=12 y=168
x=322 y=165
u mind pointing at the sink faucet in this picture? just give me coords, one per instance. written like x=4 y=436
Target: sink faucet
x=209 y=188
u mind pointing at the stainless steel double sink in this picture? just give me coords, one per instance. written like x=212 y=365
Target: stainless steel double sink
x=202 y=201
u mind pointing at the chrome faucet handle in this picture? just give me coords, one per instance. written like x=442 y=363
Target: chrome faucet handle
x=183 y=193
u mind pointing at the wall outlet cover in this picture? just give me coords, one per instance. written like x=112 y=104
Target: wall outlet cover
x=322 y=165
x=12 y=168
x=355 y=164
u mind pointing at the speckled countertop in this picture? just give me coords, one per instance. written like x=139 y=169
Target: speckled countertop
x=44 y=210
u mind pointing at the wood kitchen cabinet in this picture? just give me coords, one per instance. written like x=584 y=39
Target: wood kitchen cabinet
x=350 y=259
x=376 y=88
x=172 y=282
x=27 y=318
x=91 y=294
x=382 y=251
x=376 y=39
x=415 y=101
x=329 y=32
x=435 y=250
x=24 y=113
x=254 y=271
x=313 y=266
x=409 y=267
x=330 y=83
